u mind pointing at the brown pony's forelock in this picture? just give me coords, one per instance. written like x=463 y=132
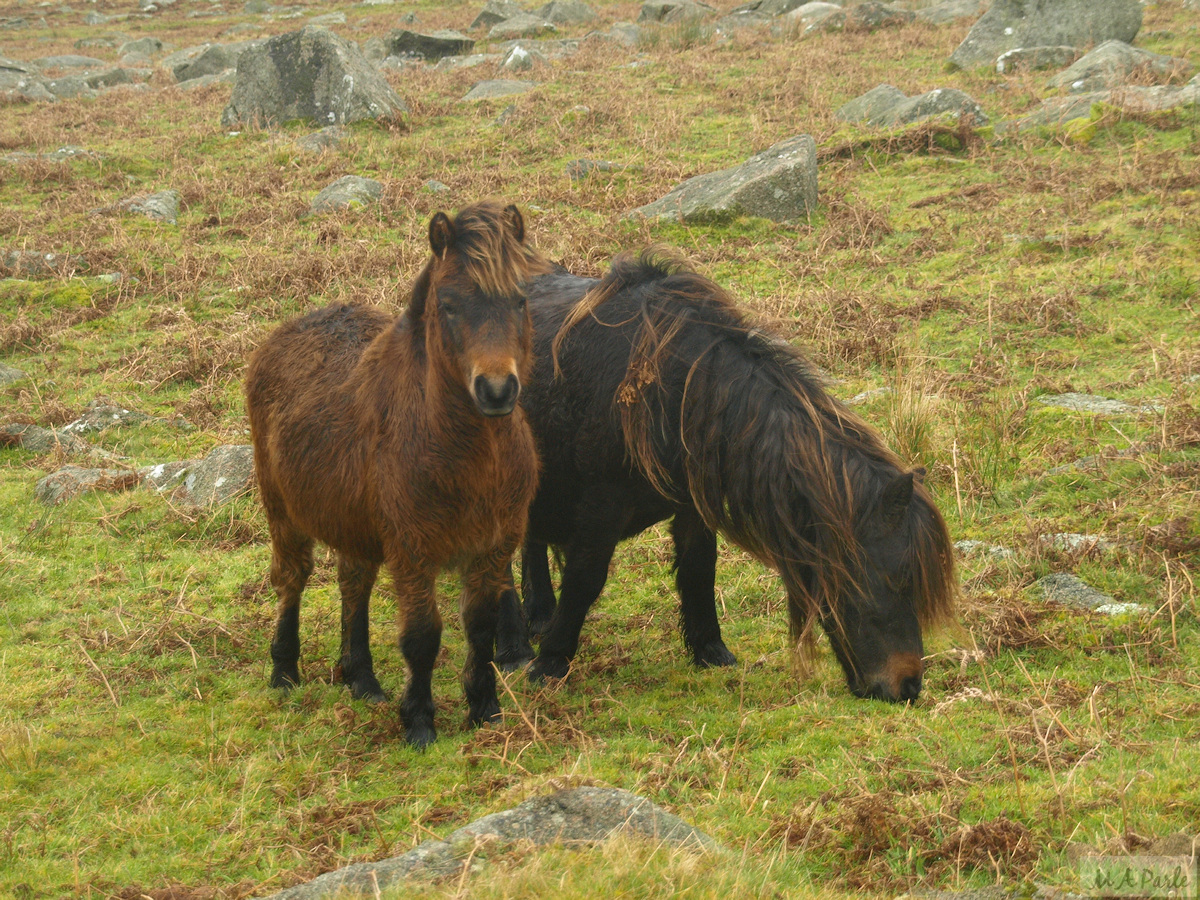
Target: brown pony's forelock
x=749 y=394
x=491 y=252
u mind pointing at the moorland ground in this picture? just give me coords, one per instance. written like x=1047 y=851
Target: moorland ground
x=141 y=751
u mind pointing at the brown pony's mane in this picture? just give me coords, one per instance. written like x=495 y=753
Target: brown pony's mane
x=770 y=458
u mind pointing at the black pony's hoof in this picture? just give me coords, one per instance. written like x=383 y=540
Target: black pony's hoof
x=549 y=667
x=513 y=662
x=539 y=625
x=420 y=735
x=367 y=688
x=285 y=677
x=487 y=714
x=714 y=654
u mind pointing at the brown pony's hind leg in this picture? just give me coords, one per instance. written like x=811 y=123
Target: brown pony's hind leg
x=356 y=578
x=485 y=581
x=291 y=565
x=420 y=640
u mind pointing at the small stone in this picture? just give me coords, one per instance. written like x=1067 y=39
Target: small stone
x=227 y=472
x=868 y=395
x=1073 y=542
x=579 y=169
x=320 y=141
x=1099 y=405
x=71 y=481
x=101 y=416
x=162 y=206
x=1068 y=590
x=1030 y=59
x=522 y=26
x=434 y=186
x=165 y=476
x=9 y=375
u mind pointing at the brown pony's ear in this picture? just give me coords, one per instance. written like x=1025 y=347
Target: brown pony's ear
x=515 y=222
x=441 y=234
x=893 y=503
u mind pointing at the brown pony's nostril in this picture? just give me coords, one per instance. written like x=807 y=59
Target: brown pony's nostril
x=910 y=688
x=496 y=396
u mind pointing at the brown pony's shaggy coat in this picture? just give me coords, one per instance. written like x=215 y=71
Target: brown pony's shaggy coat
x=660 y=399
x=398 y=441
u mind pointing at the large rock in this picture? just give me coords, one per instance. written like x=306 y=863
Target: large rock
x=885 y=107
x=347 y=192
x=308 y=74
x=672 y=11
x=1115 y=63
x=811 y=17
x=779 y=183
x=432 y=46
x=101 y=415
x=44 y=440
x=572 y=817
x=162 y=206
x=213 y=60
x=1009 y=24
x=227 y=472
x=871 y=15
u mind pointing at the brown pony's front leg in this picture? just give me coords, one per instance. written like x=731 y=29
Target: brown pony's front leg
x=291 y=566
x=485 y=579
x=420 y=640
x=356 y=577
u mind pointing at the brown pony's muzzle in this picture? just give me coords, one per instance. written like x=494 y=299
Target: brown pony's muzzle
x=496 y=395
x=898 y=682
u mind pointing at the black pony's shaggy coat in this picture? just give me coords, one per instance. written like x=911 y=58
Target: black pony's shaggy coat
x=654 y=397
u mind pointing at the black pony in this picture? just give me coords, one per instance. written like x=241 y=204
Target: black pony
x=652 y=398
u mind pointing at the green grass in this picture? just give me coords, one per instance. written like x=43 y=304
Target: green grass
x=140 y=748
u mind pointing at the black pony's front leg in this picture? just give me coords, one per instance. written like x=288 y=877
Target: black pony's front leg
x=536 y=586
x=513 y=649
x=485 y=581
x=695 y=578
x=420 y=640
x=584 y=574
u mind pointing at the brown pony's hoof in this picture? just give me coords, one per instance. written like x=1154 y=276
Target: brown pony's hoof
x=549 y=667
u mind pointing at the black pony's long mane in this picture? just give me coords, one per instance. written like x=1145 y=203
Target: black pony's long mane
x=771 y=460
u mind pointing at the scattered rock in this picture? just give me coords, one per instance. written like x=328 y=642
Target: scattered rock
x=165 y=476
x=212 y=60
x=812 y=17
x=227 y=472
x=101 y=415
x=1009 y=24
x=348 y=192
x=571 y=817
x=308 y=74
x=1096 y=460
x=333 y=18
x=505 y=116
x=975 y=548
x=521 y=60
x=319 y=141
x=432 y=46
x=146 y=46
x=31 y=264
x=579 y=169
x=492 y=90
x=434 y=186
x=1029 y=59
x=162 y=206
x=1073 y=542
x=67 y=61
x=1099 y=405
x=780 y=183
x=671 y=11
x=1115 y=63
x=69 y=88
x=566 y=12
x=951 y=11
x=625 y=33
x=871 y=15
x=1068 y=590
x=768 y=9
x=868 y=396
x=36 y=439
x=9 y=375
x=522 y=26
x=71 y=481
x=496 y=11
x=886 y=106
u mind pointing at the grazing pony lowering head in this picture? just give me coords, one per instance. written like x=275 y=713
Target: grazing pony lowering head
x=736 y=420
x=470 y=302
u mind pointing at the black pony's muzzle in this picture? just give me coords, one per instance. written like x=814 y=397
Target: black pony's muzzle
x=496 y=396
x=898 y=682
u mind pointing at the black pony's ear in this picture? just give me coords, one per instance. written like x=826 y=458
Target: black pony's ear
x=516 y=222
x=919 y=473
x=894 y=501
x=441 y=234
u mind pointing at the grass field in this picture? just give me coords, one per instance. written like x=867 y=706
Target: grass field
x=141 y=751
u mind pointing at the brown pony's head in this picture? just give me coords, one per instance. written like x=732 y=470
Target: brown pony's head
x=470 y=301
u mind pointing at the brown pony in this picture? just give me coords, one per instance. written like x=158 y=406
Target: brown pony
x=399 y=441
